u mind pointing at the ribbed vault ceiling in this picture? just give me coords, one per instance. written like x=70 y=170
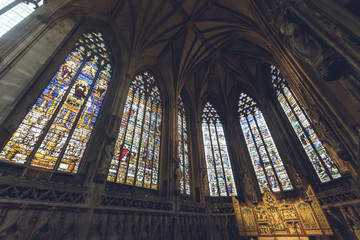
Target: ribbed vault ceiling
x=210 y=39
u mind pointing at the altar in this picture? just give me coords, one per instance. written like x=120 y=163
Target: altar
x=283 y=219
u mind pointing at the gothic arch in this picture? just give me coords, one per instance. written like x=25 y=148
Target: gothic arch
x=264 y=154
x=40 y=80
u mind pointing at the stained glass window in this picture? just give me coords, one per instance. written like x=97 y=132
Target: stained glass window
x=220 y=176
x=56 y=130
x=183 y=149
x=323 y=165
x=14 y=11
x=137 y=152
x=268 y=166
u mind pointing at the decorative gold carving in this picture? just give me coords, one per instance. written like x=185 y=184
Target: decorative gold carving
x=249 y=220
x=321 y=219
x=239 y=220
x=282 y=218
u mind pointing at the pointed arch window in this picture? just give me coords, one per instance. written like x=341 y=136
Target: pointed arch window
x=268 y=166
x=220 y=175
x=14 y=11
x=55 y=132
x=137 y=152
x=183 y=148
x=320 y=160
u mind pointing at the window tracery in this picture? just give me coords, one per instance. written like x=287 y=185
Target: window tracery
x=14 y=11
x=220 y=175
x=55 y=132
x=183 y=148
x=137 y=149
x=269 y=168
x=320 y=160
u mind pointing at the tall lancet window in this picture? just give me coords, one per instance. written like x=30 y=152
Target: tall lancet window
x=14 y=11
x=137 y=152
x=183 y=148
x=323 y=165
x=55 y=132
x=268 y=166
x=220 y=176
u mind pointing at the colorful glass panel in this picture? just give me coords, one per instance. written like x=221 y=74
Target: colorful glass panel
x=137 y=149
x=320 y=160
x=268 y=166
x=12 y=12
x=220 y=175
x=55 y=132
x=183 y=149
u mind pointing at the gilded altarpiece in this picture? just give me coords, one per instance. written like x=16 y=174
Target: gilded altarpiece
x=282 y=218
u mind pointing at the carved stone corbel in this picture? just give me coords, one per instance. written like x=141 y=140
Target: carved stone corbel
x=294 y=175
x=177 y=176
x=249 y=188
x=326 y=135
x=204 y=180
x=105 y=158
x=325 y=61
x=278 y=9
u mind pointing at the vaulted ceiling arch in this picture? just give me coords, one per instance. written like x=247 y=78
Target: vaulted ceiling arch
x=219 y=40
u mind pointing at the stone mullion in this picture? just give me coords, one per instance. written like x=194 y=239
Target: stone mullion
x=184 y=129
x=73 y=128
x=141 y=137
x=9 y=7
x=182 y=144
x=257 y=149
x=183 y=151
x=132 y=139
x=153 y=156
x=51 y=120
x=125 y=132
x=267 y=152
x=147 y=145
x=303 y=128
x=222 y=164
x=212 y=151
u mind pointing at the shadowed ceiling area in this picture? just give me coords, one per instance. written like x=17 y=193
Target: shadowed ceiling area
x=214 y=39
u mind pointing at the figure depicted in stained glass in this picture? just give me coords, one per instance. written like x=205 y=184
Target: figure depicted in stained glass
x=268 y=166
x=183 y=148
x=14 y=11
x=219 y=171
x=55 y=132
x=137 y=149
x=322 y=163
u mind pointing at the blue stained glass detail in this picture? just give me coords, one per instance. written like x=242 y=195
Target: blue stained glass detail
x=268 y=166
x=58 y=115
x=218 y=164
x=319 y=158
x=136 y=158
